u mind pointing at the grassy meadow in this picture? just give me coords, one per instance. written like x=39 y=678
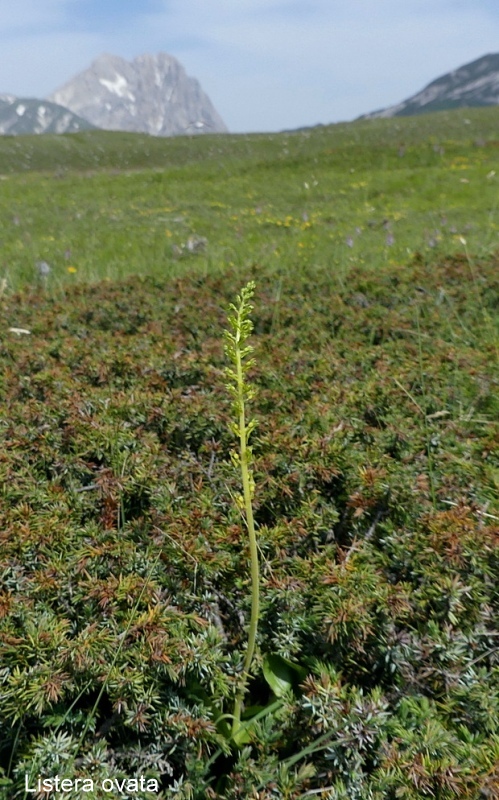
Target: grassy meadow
x=112 y=205
x=124 y=562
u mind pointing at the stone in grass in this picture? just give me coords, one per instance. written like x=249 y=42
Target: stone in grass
x=359 y=299
x=43 y=268
x=197 y=244
x=194 y=245
x=20 y=331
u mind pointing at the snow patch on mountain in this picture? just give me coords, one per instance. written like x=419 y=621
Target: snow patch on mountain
x=119 y=86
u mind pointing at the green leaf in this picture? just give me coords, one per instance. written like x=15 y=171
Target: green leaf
x=252 y=715
x=241 y=736
x=282 y=675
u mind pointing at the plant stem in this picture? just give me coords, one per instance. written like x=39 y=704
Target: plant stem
x=237 y=350
x=250 y=523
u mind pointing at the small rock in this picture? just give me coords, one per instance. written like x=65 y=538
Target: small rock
x=19 y=331
x=196 y=244
x=359 y=299
x=42 y=267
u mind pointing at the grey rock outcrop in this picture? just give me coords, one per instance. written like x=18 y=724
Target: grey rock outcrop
x=151 y=94
x=474 y=84
x=21 y=115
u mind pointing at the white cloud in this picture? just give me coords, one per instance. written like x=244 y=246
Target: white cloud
x=348 y=59
x=30 y=14
x=266 y=64
x=35 y=65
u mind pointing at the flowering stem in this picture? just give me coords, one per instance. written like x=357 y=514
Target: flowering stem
x=255 y=570
x=241 y=392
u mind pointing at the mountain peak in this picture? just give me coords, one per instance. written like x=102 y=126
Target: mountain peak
x=152 y=94
x=473 y=84
x=21 y=115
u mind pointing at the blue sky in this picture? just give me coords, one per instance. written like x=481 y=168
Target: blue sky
x=267 y=65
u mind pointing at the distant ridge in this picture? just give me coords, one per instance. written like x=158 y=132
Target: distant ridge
x=151 y=94
x=472 y=85
x=21 y=115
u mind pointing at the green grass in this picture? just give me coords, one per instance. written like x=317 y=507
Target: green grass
x=125 y=591
x=113 y=205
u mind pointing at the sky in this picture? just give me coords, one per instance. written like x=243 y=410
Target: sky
x=267 y=65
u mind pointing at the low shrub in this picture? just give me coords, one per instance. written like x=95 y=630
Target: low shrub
x=125 y=585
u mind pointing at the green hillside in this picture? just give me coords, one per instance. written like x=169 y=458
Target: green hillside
x=111 y=205
x=125 y=590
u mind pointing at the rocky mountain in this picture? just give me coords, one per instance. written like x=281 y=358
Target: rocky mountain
x=474 y=84
x=152 y=94
x=26 y=115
